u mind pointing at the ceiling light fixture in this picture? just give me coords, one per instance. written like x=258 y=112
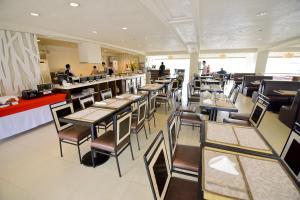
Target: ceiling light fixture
x=38 y=40
x=259 y=39
x=73 y=4
x=124 y=28
x=95 y=32
x=34 y=14
x=261 y=14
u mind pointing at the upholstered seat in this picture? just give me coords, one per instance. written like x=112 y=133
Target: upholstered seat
x=74 y=133
x=191 y=118
x=105 y=141
x=186 y=157
x=236 y=122
x=240 y=116
x=182 y=189
x=135 y=127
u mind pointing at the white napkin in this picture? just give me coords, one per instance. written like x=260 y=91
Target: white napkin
x=99 y=103
x=208 y=101
x=223 y=164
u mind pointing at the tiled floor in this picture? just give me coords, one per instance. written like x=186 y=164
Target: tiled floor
x=31 y=168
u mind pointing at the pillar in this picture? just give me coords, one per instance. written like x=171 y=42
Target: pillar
x=194 y=57
x=261 y=61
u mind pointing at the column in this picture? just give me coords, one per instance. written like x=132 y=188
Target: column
x=261 y=61
x=193 y=64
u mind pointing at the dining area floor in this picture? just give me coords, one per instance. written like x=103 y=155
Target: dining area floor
x=32 y=169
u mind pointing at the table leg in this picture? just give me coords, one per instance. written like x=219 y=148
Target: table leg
x=98 y=158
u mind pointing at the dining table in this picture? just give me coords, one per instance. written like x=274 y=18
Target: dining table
x=90 y=117
x=290 y=93
x=210 y=81
x=211 y=88
x=214 y=102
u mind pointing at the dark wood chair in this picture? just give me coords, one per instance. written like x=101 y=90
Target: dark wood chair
x=114 y=142
x=192 y=98
x=165 y=98
x=163 y=184
x=106 y=94
x=138 y=122
x=86 y=101
x=185 y=159
x=151 y=111
x=68 y=133
x=197 y=85
x=255 y=117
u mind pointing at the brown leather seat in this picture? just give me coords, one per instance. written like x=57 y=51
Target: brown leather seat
x=236 y=122
x=186 y=157
x=182 y=189
x=105 y=141
x=74 y=133
x=240 y=116
x=191 y=118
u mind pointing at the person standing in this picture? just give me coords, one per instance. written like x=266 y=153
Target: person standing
x=94 y=71
x=204 y=68
x=68 y=70
x=162 y=68
x=104 y=67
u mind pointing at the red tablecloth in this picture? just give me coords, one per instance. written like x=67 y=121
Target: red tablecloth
x=30 y=104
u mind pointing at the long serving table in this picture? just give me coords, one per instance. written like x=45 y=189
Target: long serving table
x=238 y=163
x=211 y=88
x=92 y=116
x=216 y=104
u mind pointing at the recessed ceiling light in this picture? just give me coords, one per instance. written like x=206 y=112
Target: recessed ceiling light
x=34 y=14
x=259 y=39
x=95 y=32
x=73 y=4
x=38 y=40
x=261 y=14
x=124 y=28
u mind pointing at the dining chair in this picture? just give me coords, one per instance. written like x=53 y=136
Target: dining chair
x=255 y=117
x=197 y=85
x=106 y=94
x=114 y=142
x=164 y=186
x=235 y=94
x=190 y=118
x=86 y=101
x=185 y=159
x=151 y=111
x=138 y=122
x=174 y=89
x=231 y=90
x=67 y=132
x=165 y=98
x=192 y=98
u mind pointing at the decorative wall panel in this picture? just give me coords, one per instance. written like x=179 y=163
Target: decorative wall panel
x=19 y=62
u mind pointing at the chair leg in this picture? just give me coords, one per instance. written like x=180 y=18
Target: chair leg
x=138 y=142
x=131 y=151
x=118 y=165
x=93 y=159
x=149 y=126
x=166 y=108
x=145 y=132
x=154 y=120
x=60 y=147
x=79 y=152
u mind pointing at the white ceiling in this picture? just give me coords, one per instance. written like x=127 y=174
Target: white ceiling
x=160 y=25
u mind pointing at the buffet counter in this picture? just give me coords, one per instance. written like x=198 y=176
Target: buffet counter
x=27 y=114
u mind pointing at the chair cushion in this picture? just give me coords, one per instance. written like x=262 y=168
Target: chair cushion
x=186 y=157
x=74 y=133
x=240 y=116
x=182 y=189
x=105 y=142
x=236 y=122
x=191 y=118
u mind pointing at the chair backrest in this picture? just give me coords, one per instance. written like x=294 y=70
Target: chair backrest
x=61 y=111
x=197 y=83
x=236 y=92
x=86 y=101
x=106 y=94
x=173 y=133
x=142 y=110
x=258 y=111
x=152 y=104
x=231 y=91
x=157 y=167
x=122 y=124
x=175 y=84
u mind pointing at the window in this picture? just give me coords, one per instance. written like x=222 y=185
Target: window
x=280 y=62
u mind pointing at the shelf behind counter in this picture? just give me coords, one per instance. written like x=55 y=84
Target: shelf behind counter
x=118 y=85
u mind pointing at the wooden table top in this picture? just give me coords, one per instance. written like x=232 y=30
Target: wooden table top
x=113 y=103
x=230 y=175
x=246 y=139
x=151 y=87
x=223 y=104
x=286 y=92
